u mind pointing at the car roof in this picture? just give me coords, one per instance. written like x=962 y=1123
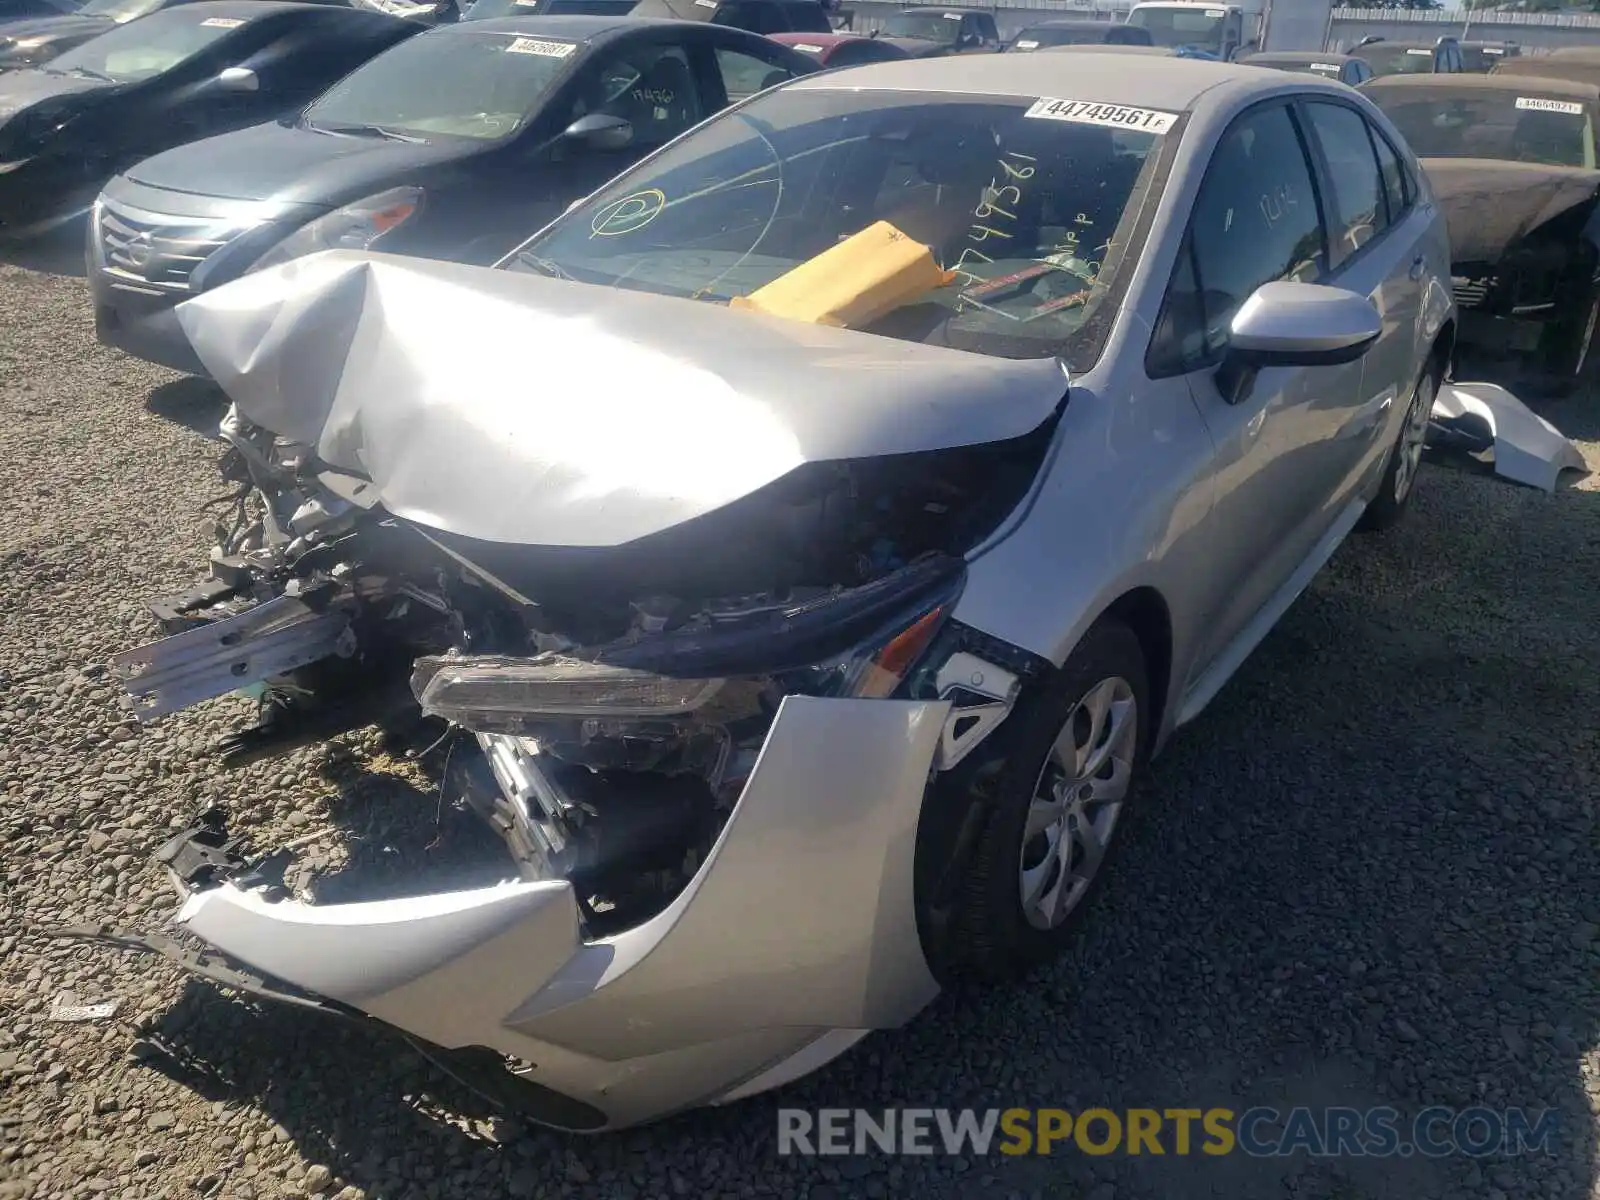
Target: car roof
x=250 y=9
x=1068 y=23
x=1298 y=56
x=575 y=27
x=1100 y=75
x=1459 y=82
x=825 y=40
x=1120 y=48
x=1579 y=69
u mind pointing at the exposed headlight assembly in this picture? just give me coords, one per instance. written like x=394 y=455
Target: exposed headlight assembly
x=354 y=227
x=859 y=643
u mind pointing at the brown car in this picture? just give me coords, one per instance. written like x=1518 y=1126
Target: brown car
x=1512 y=159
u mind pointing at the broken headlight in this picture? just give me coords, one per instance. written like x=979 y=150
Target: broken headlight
x=491 y=694
x=858 y=642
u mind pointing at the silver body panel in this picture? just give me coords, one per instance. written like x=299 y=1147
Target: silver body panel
x=799 y=932
x=453 y=388
x=679 y=1010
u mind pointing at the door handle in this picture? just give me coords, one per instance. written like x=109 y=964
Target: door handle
x=1418 y=265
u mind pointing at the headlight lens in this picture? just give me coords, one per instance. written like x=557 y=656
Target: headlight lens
x=860 y=643
x=354 y=227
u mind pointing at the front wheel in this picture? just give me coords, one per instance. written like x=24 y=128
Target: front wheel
x=1405 y=459
x=1069 y=764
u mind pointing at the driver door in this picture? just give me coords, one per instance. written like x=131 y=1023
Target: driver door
x=1279 y=457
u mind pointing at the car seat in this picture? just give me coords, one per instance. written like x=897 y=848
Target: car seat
x=661 y=103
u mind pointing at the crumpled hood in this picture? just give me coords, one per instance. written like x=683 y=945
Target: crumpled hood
x=517 y=408
x=23 y=89
x=287 y=164
x=1491 y=204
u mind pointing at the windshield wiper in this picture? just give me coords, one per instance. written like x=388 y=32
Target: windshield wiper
x=84 y=72
x=371 y=131
x=544 y=265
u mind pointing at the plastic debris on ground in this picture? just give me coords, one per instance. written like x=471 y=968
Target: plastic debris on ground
x=1486 y=421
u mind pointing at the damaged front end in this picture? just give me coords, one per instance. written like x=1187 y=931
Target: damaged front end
x=1526 y=269
x=727 y=724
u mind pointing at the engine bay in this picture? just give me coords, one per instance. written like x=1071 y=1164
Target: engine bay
x=602 y=708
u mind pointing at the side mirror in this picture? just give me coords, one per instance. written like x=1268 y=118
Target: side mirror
x=1286 y=324
x=239 y=79
x=601 y=131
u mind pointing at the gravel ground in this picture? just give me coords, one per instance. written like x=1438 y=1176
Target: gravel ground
x=1370 y=874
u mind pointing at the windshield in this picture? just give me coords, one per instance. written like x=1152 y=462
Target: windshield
x=1023 y=212
x=1199 y=27
x=1398 y=60
x=119 y=10
x=479 y=85
x=148 y=47
x=930 y=26
x=1463 y=123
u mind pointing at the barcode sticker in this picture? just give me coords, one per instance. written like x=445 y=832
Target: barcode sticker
x=543 y=49
x=222 y=22
x=1027 y=44
x=1537 y=104
x=1118 y=116
x=808 y=47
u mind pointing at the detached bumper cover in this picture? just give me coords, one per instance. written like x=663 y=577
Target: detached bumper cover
x=797 y=933
x=1483 y=417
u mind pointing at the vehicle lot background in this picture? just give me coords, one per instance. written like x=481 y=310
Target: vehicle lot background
x=1369 y=874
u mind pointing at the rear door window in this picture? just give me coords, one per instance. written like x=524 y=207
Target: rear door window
x=1396 y=183
x=1358 y=212
x=744 y=75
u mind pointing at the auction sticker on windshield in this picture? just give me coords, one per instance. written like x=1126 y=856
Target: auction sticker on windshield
x=222 y=22
x=1538 y=104
x=1421 y=53
x=544 y=49
x=1330 y=67
x=1118 y=116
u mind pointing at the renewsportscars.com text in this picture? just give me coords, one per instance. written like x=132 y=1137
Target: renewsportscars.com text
x=1257 y=1132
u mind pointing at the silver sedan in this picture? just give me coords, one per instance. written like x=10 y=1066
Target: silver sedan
x=806 y=541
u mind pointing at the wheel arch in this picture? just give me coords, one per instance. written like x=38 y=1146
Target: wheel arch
x=1144 y=610
x=1444 y=348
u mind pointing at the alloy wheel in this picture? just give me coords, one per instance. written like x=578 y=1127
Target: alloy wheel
x=1077 y=802
x=1413 y=436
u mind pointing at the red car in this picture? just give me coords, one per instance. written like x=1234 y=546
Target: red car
x=840 y=49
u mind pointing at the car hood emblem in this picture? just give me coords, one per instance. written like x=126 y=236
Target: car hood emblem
x=139 y=250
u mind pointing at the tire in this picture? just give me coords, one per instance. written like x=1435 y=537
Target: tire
x=1405 y=458
x=993 y=933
